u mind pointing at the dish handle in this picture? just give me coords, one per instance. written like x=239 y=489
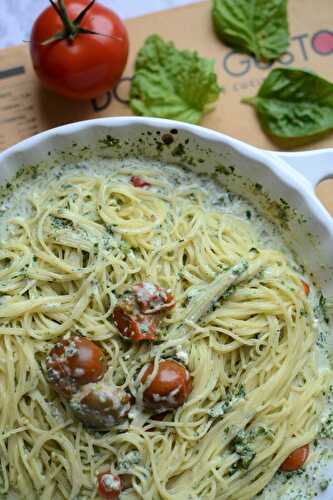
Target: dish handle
x=315 y=166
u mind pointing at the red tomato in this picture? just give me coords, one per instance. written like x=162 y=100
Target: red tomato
x=296 y=459
x=80 y=65
x=153 y=299
x=74 y=362
x=138 y=182
x=170 y=388
x=133 y=315
x=135 y=327
x=104 y=399
x=109 y=485
x=159 y=416
x=102 y=407
x=306 y=288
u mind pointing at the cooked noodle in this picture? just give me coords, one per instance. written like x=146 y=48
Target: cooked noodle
x=257 y=384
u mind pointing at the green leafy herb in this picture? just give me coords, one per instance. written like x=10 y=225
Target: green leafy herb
x=172 y=83
x=294 y=103
x=259 y=27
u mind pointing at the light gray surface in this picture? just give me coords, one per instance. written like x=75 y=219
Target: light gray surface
x=17 y=16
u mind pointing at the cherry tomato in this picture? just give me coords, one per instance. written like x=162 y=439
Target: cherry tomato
x=296 y=459
x=138 y=182
x=133 y=315
x=159 y=416
x=153 y=299
x=104 y=399
x=74 y=362
x=135 y=327
x=170 y=388
x=102 y=407
x=306 y=288
x=109 y=485
x=79 y=64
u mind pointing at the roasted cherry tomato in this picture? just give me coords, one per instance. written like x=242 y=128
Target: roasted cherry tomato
x=79 y=48
x=137 y=313
x=306 y=288
x=138 y=182
x=135 y=327
x=170 y=388
x=102 y=407
x=296 y=459
x=74 y=362
x=159 y=416
x=153 y=299
x=104 y=399
x=109 y=485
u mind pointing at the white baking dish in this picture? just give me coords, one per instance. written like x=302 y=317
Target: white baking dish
x=291 y=177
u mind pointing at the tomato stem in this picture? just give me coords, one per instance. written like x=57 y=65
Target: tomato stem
x=80 y=17
x=70 y=28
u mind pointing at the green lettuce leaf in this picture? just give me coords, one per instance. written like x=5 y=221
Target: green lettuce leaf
x=293 y=103
x=172 y=83
x=259 y=27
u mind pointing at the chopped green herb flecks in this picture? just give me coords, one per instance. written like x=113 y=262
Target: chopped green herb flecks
x=109 y=142
x=244 y=444
x=323 y=485
x=221 y=408
x=59 y=223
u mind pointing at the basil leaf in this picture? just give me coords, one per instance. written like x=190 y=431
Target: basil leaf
x=294 y=103
x=172 y=83
x=259 y=27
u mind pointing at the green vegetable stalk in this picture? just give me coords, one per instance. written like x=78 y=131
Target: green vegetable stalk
x=172 y=83
x=259 y=27
x=292 y=103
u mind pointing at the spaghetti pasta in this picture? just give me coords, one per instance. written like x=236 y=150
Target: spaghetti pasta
x=242 y=325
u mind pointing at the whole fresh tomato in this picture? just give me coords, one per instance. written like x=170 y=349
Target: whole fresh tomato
x=79 y=48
